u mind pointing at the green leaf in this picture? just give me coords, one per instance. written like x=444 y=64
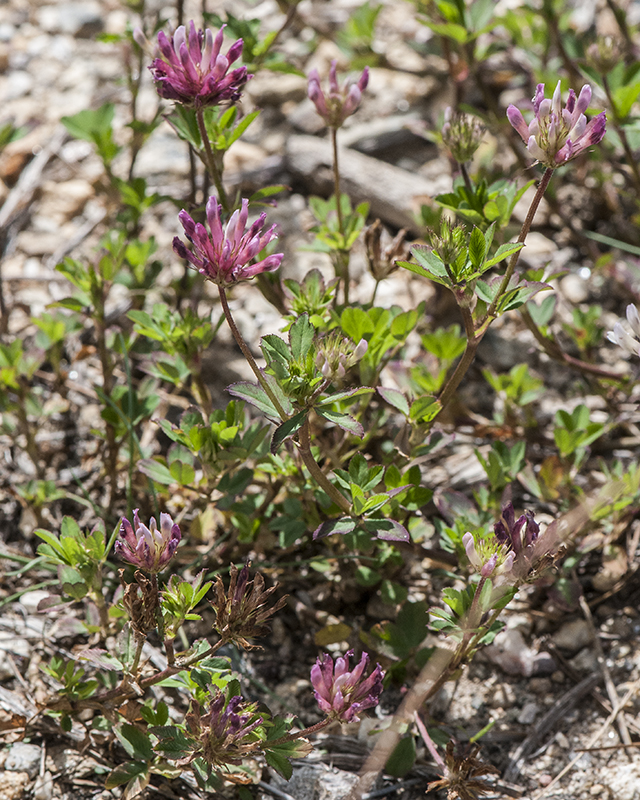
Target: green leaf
x=477 y=248
x=344 y=421
x=279 y=762
x=254 y=393
x=395 y=398
x=287 y=429
x=301 y=335
x=341 y=525
x=156 y=471
x=402 y=759
x=126 y=772
x=134 y=741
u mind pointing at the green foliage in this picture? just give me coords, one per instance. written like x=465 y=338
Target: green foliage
x=574 y=431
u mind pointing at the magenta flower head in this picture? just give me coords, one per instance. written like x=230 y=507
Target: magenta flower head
x=342 y=694
x=555 y=135
x=620 y=336
x=488 y=556
x=339 y=103
x=193 y=71
x=149 y=549
x=225 y=255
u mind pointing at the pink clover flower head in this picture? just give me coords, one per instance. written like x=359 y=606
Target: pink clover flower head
x=516 y=534
x=224 y=255
x=145 y=547
x=341 y=694
x=338 y=103
x=556 y=135
x=621 y=336
x=193 y=71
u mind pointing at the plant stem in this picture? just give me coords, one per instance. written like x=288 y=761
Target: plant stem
x=210 y=160
x=526 y=226
x=465 y=176
x=248 y=355
x=290 y=737
x=554 y=351
x=317 y=474
x=342 y=258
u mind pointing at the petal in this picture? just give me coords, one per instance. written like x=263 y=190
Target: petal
x=517 y=121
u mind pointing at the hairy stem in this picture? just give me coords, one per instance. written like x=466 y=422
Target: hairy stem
x=524 y=231
x=248 y=355
x=210 y=160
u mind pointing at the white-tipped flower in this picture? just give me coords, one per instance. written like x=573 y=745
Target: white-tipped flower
x=620 y=336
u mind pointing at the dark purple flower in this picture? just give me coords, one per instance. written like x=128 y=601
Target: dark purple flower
x=149 y=549
x=339 y=103
x=225 y=255
x=516 y=534
x=193 y=71
x=555 y=135
x=224 y=732
x=342 y=694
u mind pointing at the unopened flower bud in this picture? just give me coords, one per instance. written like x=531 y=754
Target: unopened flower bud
x=620 y=336
x=462 y=135
x=338 y=103
x=604 y=54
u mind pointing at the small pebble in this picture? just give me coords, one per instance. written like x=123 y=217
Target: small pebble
x=528 y=714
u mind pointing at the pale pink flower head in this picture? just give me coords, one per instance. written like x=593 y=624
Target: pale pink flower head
x=556 y=135
x=225 y=255
x=629 y=342
x=193 y=71
x=338 y=103
x=148 y=548
x=342 y=694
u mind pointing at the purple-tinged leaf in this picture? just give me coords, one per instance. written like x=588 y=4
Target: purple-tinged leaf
x=341 y=525
x=344 y=421
x=395 y=398
x=387 y=529
x=287 y=428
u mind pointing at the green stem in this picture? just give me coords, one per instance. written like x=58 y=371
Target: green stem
x=317 y=474
x=341 y=257
x=248 y=355
x=210 y=160
x=526 y=227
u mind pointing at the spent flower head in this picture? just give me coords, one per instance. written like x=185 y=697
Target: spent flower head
x=192 y=70
x=556 y=135
x=620 y=336
x=225 y=255
x=461 y=134
x=243 y=610
x=148 y=548
x=342 y=694
x=382 y=251
x=224 y=734
x=339 y=102
x=464 y=773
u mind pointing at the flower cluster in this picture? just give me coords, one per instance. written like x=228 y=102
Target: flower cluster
x=620 y=336
x=335 y=355
x=224 y=733
x=149 y=549
x=193 y=71
x=556 y=134
x=224 y=256
x=461 y=134
x=339 y=103
x=242 y=611
x=342 y=694
x=512 y=538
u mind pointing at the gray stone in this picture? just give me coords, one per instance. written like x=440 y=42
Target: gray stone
x=572 y=636
x=24 y=758
x=78 y=19
x=528 y=713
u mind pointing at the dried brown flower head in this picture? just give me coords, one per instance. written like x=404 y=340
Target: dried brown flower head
x=242 y=610
x=463 y=776
x=140 y=601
